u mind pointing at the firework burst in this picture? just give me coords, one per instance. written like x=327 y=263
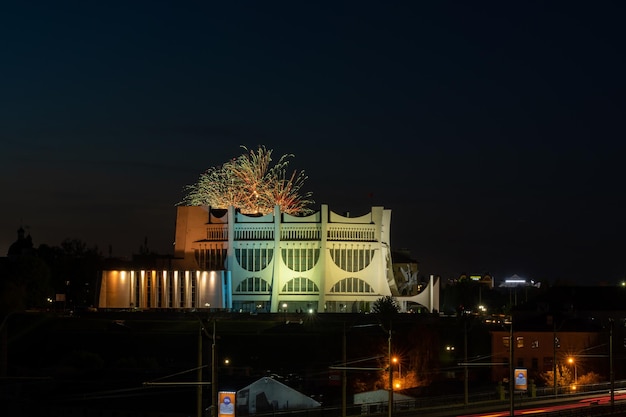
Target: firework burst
x=251 y=184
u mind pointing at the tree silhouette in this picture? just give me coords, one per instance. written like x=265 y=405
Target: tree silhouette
x=386 y=306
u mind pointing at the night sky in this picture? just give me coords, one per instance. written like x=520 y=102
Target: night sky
x=494 y=131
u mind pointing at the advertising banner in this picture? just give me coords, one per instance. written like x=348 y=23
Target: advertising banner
x=521 y=379
x=226 y=407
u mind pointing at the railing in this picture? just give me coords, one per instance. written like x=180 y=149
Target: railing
x=363 y=233
x=300 y=232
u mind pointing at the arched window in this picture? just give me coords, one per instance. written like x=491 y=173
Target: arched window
x=300 y=259
x=352 y=285
x=253 y=285
x=300 y=285
x=254 y=259
x=211 y=259
x=352 y=260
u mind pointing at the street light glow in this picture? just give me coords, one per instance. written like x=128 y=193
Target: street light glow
x=571 y=361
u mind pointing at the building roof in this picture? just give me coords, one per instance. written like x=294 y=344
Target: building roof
x=379 y=396
x=268 y=394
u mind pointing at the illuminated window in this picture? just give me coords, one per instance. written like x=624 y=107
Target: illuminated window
x=193 y=292
x=253 y=285
x=254 y=259
x=211 y=259
x=148 y=290
x=351 y=285
x=352 y=260
x=170 y=292
x=137 y=293
x=300 y=259
x=300 y=285
x=182 y=288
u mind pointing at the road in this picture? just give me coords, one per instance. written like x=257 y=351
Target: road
x=599 y=401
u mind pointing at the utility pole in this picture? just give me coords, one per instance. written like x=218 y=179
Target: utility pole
x=390 y=376
x=199 y=373
x=554 y=356
x=611 y=322
x=466 y=379
x=213 y=376
x=344 y=376
x=511 y=371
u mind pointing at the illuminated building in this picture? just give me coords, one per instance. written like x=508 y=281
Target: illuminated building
x=322 y=262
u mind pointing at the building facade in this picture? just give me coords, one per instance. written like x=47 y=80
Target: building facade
x=541 y=351
x=324 y=262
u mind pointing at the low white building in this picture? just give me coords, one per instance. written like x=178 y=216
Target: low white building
x=376 y=401
x=267 y=395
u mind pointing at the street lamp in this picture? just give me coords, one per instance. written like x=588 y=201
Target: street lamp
x=571 y=361
x=284 y=305
x=395 y=360
x=511 y=368
x=390 y=401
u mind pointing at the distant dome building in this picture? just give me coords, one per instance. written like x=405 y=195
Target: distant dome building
x=322 y=262
x=22 y=246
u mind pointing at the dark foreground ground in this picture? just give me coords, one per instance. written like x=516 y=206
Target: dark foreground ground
x=54 y=364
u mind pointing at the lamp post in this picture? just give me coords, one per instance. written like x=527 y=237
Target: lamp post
x=399 y=363
x=344 y=376
x=612 y=377
x=466 y=370
x=571 y=361
x=554 y=346
x=199 y=373
x=511 y=371
x=390 y=406
x=213 y=374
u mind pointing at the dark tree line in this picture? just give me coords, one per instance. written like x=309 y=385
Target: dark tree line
x=49 y=277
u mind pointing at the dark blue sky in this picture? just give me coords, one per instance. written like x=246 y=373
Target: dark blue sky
x=493 y=130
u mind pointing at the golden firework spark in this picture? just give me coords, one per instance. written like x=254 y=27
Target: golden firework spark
x=251 y=184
